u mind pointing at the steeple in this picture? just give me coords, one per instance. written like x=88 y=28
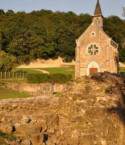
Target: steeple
x=98 y=17
x=98 y=11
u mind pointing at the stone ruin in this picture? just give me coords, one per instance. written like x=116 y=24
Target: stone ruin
x=91 y=111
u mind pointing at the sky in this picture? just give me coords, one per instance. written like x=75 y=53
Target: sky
x=109 y=7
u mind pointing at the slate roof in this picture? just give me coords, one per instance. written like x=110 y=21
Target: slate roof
x=98 y=11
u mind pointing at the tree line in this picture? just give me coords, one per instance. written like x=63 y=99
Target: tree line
x=46 y=34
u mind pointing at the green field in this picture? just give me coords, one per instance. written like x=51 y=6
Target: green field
x=28 y=70
x=122 y=69
x=13 y=80
x=7 y=93
x=62 y=70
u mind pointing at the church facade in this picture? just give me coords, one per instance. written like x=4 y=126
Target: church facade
x=95 y=50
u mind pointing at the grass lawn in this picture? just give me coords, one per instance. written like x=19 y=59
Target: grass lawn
x=62 y=70
x=7 y=93
x=28 y=70
x=122 y=69
x=13 y=80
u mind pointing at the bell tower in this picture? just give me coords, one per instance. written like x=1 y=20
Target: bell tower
x=98 y=17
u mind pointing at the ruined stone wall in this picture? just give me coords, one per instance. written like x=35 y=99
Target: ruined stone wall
x=46 y=89
x=91 y=111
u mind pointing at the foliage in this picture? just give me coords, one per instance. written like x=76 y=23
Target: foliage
x=7 y=61
x=41 y=34
x=46 y=34
x=38 y=78
x=61 y=78
x=115 y=28
x=122 y=55
x=27 y=43
x=45 y=78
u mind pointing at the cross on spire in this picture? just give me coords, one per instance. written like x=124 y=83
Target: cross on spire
x=98 y=11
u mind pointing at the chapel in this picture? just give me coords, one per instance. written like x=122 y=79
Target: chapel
x=95 y=50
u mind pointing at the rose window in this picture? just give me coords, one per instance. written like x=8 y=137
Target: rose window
x=93 y=49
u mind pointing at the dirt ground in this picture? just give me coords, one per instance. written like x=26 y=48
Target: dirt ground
x=121 y=64
x=40 y=63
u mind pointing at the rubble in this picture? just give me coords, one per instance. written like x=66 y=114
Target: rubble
x=89 y=112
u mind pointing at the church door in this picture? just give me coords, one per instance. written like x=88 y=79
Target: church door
x=93 y=71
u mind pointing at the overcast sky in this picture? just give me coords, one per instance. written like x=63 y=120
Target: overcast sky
x=109 y=7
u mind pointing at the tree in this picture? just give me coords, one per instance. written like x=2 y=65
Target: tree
x=46 y=34
x=26 y=46
x=10 y=12
x=122 y=55
x=7 y=61
x=2 y=12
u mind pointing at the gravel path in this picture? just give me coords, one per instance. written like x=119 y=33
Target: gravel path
x=43 y=71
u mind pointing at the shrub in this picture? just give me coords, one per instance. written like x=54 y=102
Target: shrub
x=61 y=78
x=38 y=78
x=45 y=78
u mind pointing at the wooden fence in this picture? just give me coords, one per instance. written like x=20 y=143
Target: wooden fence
x=12 y=75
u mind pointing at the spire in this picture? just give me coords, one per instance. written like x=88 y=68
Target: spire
x=98 y=11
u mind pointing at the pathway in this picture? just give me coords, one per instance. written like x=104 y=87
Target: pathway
x=43 y=71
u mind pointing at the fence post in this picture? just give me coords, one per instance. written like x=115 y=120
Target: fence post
x=9 y=75
x=5 y=75
x=23 y=75
x=1 y=75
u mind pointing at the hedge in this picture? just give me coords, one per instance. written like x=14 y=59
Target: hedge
x=52 y=78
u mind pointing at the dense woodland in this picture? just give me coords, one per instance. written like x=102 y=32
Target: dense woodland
x=46 y=34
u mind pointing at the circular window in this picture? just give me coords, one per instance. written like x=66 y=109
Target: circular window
x=93 y=49
x=93 y=33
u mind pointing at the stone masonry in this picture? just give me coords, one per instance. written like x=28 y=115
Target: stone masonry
x=95 y=50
